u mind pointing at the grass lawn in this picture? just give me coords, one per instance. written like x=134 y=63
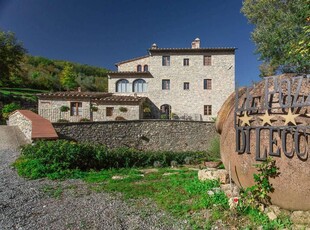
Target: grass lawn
x=176 y=190
x=179 y=192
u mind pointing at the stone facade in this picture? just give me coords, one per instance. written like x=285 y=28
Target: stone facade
x=91 y=107
x=50 y=109
x=24 y=124
x=154 y=135
x=189 y=102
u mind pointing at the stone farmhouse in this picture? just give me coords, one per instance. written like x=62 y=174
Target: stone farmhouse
x=89 y=106
x=167 y=83
x=180 y=83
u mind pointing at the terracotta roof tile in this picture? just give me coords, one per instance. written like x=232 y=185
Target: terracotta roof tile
x=41 y=127
x=130 y=74
x=192 y=50
x=133 y=59
x=75 y=94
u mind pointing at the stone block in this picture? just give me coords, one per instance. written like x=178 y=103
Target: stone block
x=207 y=174
x=301 y=217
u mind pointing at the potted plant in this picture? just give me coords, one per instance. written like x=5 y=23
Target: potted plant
x=123 y=109
x=64 y=108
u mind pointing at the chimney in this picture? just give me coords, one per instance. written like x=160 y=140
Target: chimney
x=196 y=44
x=154 y=46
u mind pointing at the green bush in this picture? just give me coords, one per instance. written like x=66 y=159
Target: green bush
x=123 y=109
x=84 y=119
x=45 y=158
x=8 y=109
x=62 y=121
x=64 y=108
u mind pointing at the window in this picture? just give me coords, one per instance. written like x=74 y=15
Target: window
x=76 y=108
x=145 y=68
x=139 y=86
x=139 y=68
x=166 y=84
x=207 y=110
x=109 y=111
x=207 y=60
x=186 y=86
x=207 y=84
x=122 y=86
x=166 y=60
x=186 y=62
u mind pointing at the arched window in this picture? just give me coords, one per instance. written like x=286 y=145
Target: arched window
x=139 y=68
x=122 y=86
x=139 y=86
x=145 y=68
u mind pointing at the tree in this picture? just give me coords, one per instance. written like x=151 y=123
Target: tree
x=282 y=33
x=67 y=77
x=11 y=54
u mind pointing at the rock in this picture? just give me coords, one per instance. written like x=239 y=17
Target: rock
x=118 y=177
x=147 y=171
x=207 y=174
x=299 y=227
x=271 y=215
x=301 y=217
x=291 y=187
x=157 y=164
x=188 y=160
x=230 y=190
x=275 y=209
x=210 y=193
x=169 y=174
x=173 y=164
x=212 y=164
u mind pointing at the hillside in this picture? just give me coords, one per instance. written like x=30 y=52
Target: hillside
x=43 y=73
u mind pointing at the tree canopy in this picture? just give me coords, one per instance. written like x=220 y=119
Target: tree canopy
x=11 y=54
x=281 y=34
x=67 y=77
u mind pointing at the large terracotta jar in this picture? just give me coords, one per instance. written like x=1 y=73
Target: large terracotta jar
x=272 y=118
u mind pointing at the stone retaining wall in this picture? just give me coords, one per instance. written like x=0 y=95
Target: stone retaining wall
x=142 y=134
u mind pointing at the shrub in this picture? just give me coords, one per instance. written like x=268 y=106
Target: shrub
x=8 y=109
x=123 y=109
x=62 y=121
x=46 y=158
x=84 y=119
x=64 y=108
x=94 y=108
x=163 y=116
x=120 y=118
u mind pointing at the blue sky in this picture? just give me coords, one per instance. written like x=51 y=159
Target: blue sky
x=103 y=32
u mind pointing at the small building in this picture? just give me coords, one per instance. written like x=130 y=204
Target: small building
x=180 y=83
x=89 y=106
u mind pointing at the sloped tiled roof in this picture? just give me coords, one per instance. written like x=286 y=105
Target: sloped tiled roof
x=121 y=98
x=129 y=74
x=130 y=60
x=180 y=50
x=41 y=127
x=102 y=98
x=192 y=50
x=74 y=94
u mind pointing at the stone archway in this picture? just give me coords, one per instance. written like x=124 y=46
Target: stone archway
x=165 y=111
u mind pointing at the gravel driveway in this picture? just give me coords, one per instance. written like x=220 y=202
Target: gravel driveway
x=44 y=204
